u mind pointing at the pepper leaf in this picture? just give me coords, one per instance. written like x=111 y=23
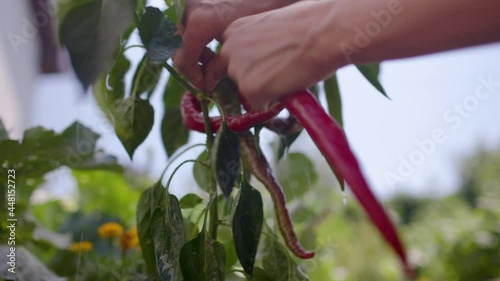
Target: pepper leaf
x=278 y=265
x=173 y=133
x=231 y=256
x=247 y=225
x=201 y=173
x=371 y=73
x=190 y=201
x=332 y=93
x=168 y=237
x=260 y=275
x=226 y=158
x=146 y=76
x=158 y=34
x=180 y=7
x=203 y=259
x=150 y=199
x=134 y=120
x=334 y=101
x=91 y=32
x=296 y=173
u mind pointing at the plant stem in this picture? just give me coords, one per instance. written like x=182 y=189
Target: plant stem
x=213 y=185
x=210 y=141
x=180 y=79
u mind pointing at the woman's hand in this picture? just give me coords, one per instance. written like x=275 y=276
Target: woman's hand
x=282 y=51
x=204 y=21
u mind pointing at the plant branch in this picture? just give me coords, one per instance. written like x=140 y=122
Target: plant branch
x=180 y=79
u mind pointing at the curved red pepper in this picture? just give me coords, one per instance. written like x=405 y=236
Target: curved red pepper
x=192 y=116
x=332 y=142
x=259 y=167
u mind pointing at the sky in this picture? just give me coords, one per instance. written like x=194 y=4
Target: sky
x=442 y=108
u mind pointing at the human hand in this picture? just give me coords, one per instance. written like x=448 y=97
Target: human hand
x=204 y=21
x=275 y=53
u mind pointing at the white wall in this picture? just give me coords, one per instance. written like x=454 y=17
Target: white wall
x=18 y=65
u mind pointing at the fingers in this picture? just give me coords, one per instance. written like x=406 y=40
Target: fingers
x=186 y=59
x=215 y=70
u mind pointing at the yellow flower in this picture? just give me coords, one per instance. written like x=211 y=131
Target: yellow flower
x=129 y=239
x=83 y=247
x=110 y=230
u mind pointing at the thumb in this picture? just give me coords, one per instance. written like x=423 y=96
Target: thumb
x=215 y=70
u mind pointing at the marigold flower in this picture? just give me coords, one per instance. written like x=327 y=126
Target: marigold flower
x=129 y=239
x=110 y=230
x=83 y=247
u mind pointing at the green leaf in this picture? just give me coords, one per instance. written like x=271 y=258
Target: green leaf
x=371 y=72
x=190 y=201
x=42 y=151
x=133 y=121
x=260 y=275
x=201 y=173
x=171 y=13
x=116 y=79
x=297 y=174
x=151 y=199
x=226 y=158
x=146 y=77
x=141 y=5
x=98 y=186
x=203 y=259
x=91 y=32
x=173 y=133
x=168 y=237
x=247 y=226
x=4 y=135
x=332 y=92
x=158 y=34
x=180 y=7
x=278 y=265
x=231 y=256
x=333 y=98
x=173 y=93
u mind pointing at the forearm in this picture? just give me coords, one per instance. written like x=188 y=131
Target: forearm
x=362 y=31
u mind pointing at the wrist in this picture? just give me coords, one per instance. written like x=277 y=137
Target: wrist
x=326 y=37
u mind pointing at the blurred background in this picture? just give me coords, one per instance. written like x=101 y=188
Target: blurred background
x=432 y=153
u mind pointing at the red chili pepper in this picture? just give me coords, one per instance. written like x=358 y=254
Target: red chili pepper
x=192 y=116
x=332 y=142
x=259 y=167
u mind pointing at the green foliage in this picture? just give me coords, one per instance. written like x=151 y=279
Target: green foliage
x=135 y=122
x=158 y=34
x=203 y=259
x=173 y=133
x=202 y=173
x=146 y=77
x=91 y=32
x=371 y=73
x=225 y=158
x=277 y=263
x=297 y=174
x=247 y=226
x=332 y=93
x=168 y=238
x=98 y=186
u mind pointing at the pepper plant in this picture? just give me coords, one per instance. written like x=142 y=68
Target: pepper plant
x=179 y=238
